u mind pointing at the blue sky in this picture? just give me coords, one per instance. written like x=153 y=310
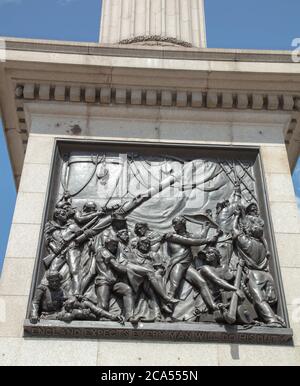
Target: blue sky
x=255 y=24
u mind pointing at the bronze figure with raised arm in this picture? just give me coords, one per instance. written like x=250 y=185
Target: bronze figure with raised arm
x=179 y=250
x=259 y=282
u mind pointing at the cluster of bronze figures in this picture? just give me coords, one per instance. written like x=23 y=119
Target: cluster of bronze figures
x=99 y=268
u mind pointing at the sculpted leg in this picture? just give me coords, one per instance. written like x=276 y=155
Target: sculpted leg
x=73 y=258
x=99 y=312
x=197 y=281
x=123 y=290
x=103 y=296
x=262 y=307
x=158 y=287
x=154 y=304
x=176 y=275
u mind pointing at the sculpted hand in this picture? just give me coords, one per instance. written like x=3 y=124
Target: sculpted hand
x=119 y=318
x=167 y=236
x=236 y=185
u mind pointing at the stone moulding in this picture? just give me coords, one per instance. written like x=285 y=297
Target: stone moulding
x=144 y=39
x=203 y=330
x=240 y=100
x=166 y=98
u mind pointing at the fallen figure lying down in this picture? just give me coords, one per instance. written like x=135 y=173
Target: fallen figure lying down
x=80 y=308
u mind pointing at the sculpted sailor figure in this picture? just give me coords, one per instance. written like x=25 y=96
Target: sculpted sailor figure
x=142 y=267
x=49 y=299
x=109 y=280
x=258 y=281
x=60 y=234
x=143 y=230
x=179 y=249
x=118 y=224
x=124 y=245
x=213 y=274
x=225 y=212
x=83 y=309
x=181 y=266
x=250 y=215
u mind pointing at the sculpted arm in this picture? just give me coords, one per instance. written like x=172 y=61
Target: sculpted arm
x=208 y=273
x=118 y=267
x=85 y=218
x=188 y=241
x=237 y=193
x=235 y=229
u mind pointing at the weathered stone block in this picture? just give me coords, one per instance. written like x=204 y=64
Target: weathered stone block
x=23 y=241
x=156 y=354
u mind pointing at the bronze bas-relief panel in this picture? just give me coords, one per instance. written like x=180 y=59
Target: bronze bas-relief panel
x=157 y=242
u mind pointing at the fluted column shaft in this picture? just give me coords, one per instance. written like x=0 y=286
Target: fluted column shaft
x=183 y=20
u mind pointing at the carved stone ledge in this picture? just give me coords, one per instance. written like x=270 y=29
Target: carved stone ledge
x=194 y=332
x=183 y=99
x=159 y=97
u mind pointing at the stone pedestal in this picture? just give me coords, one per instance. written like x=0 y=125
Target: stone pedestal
x=89 y=92
x=50 y=122
x=165 y=21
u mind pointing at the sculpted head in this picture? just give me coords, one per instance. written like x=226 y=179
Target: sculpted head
x=144 y=245
x=252 y=209
x=123 y=235
x=179 y=224
x=256 y=230
x=112 y=245
x=90 y=207
x=253 y=229
x=212 y=256
x=118 y=222
x=140 y=229
x=54 y=279
x=61 y=215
